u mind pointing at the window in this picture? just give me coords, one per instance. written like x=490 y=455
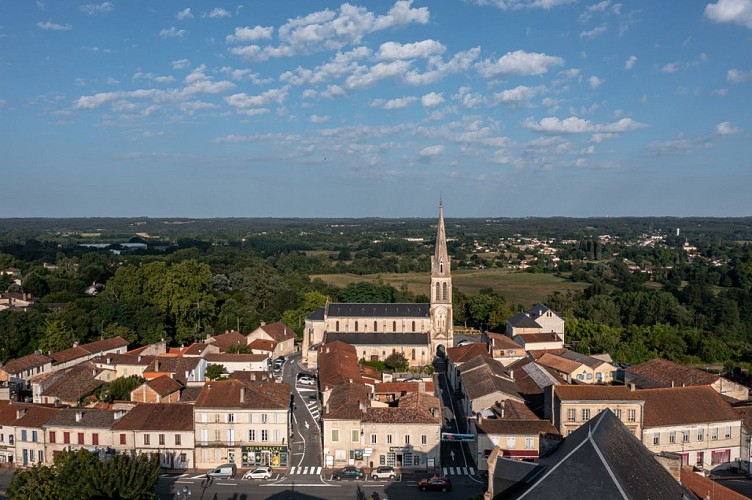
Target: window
x=217 y=435
x=407 y=438
x=701 y=434
x=571 y=414
x=356 y=325
x=394 y=326
x=374 y=439
x=216 y=418
x=203 y=418
x=617 y=412
x=177 y=439
x=382 y=459
x=230 y=418
x=700 y=458
x=437 y=291
x=585 y=414
x=375 y=327
x=590 y=376
x=263 y=418
x=726 y=434
x=355 y=436
x=388 y=439
x=672 y=437
x=95 y=439
x=161 y=440
x=41 y=456
x=720 y=456
x=445 y=292
x=252 y=435
x=656 y=438
x=335 y=435
x=264 y=435
x=511 y=443
x=413 y=355
x=714 y=433
x=336 y=329
x=632 y=415
x=80 y=438
x=34 y=436
x=423 y=439
x=23 y=435
x=122 y=438
x=685 y=436
x=52 y=437
x=529 y=443
x=147 y=439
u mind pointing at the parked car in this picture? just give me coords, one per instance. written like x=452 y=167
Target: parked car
x=224 y=471
x=307 y=380
x=258 y=473
x=436 y=483
x=383 y=473
x=349 y=472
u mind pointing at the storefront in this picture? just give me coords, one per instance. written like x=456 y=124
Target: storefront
x=272 y=456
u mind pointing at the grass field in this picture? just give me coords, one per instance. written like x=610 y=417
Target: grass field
x=516 y=287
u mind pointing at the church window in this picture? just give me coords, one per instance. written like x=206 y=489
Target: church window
x=356 y=326
x=441 y=267
x=394 y=326
x=413 y=325
x=375 y=327
x=413 y=355
x=445 y=292
x=437 y=291
x=337 y=328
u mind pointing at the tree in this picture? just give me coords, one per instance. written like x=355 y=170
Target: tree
x=214 y=371
x=57 y=335
x=396 y=361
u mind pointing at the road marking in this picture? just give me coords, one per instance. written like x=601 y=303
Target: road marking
x=318 y=471
x=472 y=472
x=445 y=471
x=464 y=470
x=305 y=471
x=226 y=484
x=202 y=476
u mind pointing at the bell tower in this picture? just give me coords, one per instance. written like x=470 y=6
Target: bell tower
x=441 y=290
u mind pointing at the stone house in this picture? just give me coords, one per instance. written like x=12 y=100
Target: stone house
x=504 y=349
x=75 y=428
x=162 y=389
x=282 y=335
x=20 y=371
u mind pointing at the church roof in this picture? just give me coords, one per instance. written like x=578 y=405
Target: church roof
x=378 y=310
x=379 y=338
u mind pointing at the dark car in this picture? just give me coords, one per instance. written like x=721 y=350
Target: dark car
x=435 y=483
x=348 y=473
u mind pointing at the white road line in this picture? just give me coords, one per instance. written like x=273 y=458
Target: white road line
x=464 y=470
x=318 y=471
x=305 y=471
x=472 y=472
x=202 y=476
x=445 y=471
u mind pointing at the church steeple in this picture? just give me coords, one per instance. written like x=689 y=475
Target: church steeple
x=441 y=288
x=440 y=263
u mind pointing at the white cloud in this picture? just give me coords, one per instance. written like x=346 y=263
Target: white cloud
x=172 y=32
x=736 y=76
x=523 y=4
x=318 y=119
x=630 y=62
x=185 y=14
x=139 y=75
x=432 y=99
x=519 y=63
x=725 y=128
x=593 y=33
x=379 y=71
x=217 y=13
x=467 y=98
x=398 y=103
x=595 y=82
x=180 y=64
x=517 y=95
x=719 y=92
x=49 y=25
x=3 y=103
x=575 y=125
x=670 y=68
x=96 y=8
x=112 y=81
x=730 y=11
x=432 y=150
x=419 y=50
x=246 y=34
x=600 y=136
x=251 y=104
x=191 y=107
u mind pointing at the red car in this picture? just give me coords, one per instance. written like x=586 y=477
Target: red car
x=435 y=483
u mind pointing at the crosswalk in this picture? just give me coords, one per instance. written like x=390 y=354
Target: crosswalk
x=296 y=471
x=312 y=404
x=459 y=471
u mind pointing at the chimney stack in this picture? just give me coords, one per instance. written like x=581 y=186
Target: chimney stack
x=79 y=416
x=242 y=394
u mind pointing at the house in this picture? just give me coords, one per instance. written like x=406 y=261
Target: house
x=695 y=422
x=22 y=439
x=483 y=382
x=594 y=370
x=85 y=352
x=537 y=319
x=515 y=430
x=247 y=423
x=200 y=349
x=75 y=428
x=570 y=406
x=73 y=384
x=663 y=373
x=227 y=340
x=705 y=487
x=601 y=459
x=532 y=380
x=20 y=371
x=455 y=356
x=567 y=369
x=539 y=341
x=263 y=346
x=162 y=389
x=504 y=349
x=183 y=369
x=17 y=301
x=165 y=430
x=239 y=362
x=388 y=392
x=282 y=335
x=338 y=364
x=122 y=365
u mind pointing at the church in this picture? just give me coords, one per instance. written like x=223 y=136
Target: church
x=418 y=331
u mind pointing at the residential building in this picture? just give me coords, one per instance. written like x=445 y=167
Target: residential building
x=580 y=368
x=20 y=371
x=483 y=382
x=122 y=365
x=72 y=385
x=456 y=356
x=84 y=352
x=504 y=349
x=22 y=440
x=75 y=428
x=282 y=335
x=184 y=369
x=163 y=389
x=532 y=380
x=536 y=320
x=338 y=364
x=247 y=423
x=226 y=340
x=570 y=406
x=239 y=362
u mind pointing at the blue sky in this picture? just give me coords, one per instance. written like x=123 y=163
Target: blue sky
x=316 y=109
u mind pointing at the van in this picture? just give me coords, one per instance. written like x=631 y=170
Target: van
x=224 y=471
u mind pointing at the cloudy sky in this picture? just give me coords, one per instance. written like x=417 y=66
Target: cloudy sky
x=376 y=108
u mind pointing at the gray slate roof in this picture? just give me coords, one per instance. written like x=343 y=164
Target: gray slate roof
x=418 y=339
x=379 y=310
x=522 y=320
x=317 y=315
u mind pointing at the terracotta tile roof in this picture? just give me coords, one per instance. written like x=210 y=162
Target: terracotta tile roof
x=685 y=405
x=190 y=393
x=483 y=382
x=415 y=408
x=558 y=363
x=595 y=393
x=25 y=362
x=338 y=364
x=664 y=372
x=534 y=426
x=169 y=365
x=258 y=395
x=263 y=345
x=278 y=331
x=163 y=385
x=501 y=341
x=745 y=413
x=707 y=488
x=537 y=353
x=105 y=344
x=123 y=359
x=348 y=402
x=197 y=349
x=249 y=376
x=9 y=409
x=463 y=353
x=402 y=387
x=90 y=417
x=484 y=361
x=157 y=417
x=235 y=358
x=532 y=338
x=77 y=382
x=37 y=416
x=228 y=339
x=69 y=355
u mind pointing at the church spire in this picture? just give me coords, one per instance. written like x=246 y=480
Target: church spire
x=441 y=257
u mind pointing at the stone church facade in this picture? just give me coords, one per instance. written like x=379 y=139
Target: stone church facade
x=418 y=331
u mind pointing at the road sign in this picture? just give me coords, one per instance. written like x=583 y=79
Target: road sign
x=449 y=436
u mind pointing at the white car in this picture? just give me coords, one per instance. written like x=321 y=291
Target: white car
x=307 y=380
x=258 y=473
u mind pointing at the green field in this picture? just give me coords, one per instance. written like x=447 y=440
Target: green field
x=516 y=287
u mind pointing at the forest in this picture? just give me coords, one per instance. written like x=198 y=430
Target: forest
x=191 y=279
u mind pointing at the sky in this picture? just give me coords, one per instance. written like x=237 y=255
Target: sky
x=288 y=108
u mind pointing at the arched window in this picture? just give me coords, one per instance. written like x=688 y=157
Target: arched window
x=413 y=325
x=375 y=327
x=337 y=329
x=356 y=326
x=441 y=267
x=413 y=357
x=394 y=326
x=445 y=292
x=437 y=291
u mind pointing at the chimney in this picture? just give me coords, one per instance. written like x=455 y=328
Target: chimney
x=511 y=374
x=75 y=344
x=79 y=416
x=139 y=358
x=109 y=361
x=672 y=383
x=362 y=406
x=20 y=413
x=94 y=373
x=242 y=394
x=156 y=365
x=632 y=387
x=421 y=387
x=263 y=323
